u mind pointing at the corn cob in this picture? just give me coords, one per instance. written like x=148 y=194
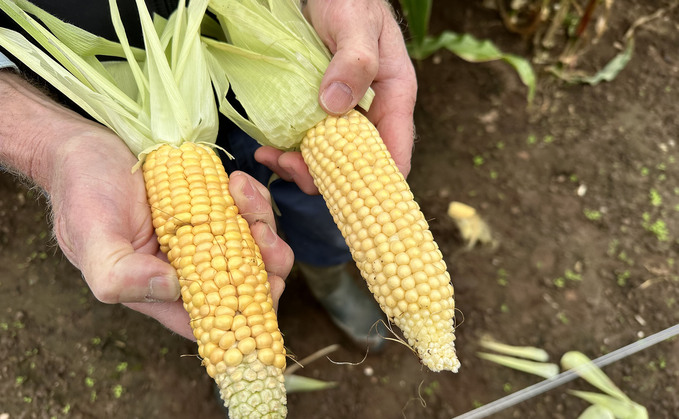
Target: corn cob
x=387 y=233
x=224 y=285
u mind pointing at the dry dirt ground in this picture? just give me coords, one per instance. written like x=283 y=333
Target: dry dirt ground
x=581 y=191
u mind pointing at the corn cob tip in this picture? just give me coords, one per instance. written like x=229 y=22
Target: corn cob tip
x=252 y=389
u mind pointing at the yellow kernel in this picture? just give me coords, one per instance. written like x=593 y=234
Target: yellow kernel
x=217 y=355
x=266 y=356
x=233 y=357
x=390 y=269
x=198 y=299
x=227 y=340
x=403 y=271
x=257 y=329
x=408 y=283
x=264 y=340
x=279 y=361
x=247 y=345
x=223 y=322
x=230 y=301
x=240 y=321
x=423 y=289
x=252 y=309
x=411 y=296
x=242 y=332
x=394 y=282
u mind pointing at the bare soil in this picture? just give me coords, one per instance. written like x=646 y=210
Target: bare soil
x=575 y=189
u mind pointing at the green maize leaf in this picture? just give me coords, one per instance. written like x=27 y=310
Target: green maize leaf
x=583 y=366
x=473 y=50
x=274 y=63
x=596 y=411
x=608 y=73
x=297 y=384
x=527 y=352
x=417 y=14
x=622 y=409
x=542 y=369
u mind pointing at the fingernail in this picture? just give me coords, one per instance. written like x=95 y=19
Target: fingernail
x=163 y=288
x=267 y=236
x=337 y=98
x=248 y=189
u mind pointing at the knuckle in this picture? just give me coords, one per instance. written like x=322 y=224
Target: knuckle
x=104 y=288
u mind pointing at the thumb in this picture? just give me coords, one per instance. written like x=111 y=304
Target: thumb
x=117 y=274
x=352 y=37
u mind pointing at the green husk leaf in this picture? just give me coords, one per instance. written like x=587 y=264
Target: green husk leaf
x=76 y=39
x=124 y=94
x=100 y=107
x=622 y=409
x=297 y=384
x=584 y=367
x=274 y=63
x=165 y=100
x=527 y=352
x=542 y=369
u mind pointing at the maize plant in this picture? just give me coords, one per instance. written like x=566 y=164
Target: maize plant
x=273 y=61
x=160 y=102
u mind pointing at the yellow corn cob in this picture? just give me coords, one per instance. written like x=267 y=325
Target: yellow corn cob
x=388 y=236
x=223 y=282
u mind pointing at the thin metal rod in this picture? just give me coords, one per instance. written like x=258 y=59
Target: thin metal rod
x=569 y=375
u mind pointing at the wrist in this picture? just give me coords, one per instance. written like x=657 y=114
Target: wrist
x=33 y=129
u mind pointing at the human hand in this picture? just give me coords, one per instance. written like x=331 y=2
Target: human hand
x=101 y=217
x=369 y=50
x=103 y=224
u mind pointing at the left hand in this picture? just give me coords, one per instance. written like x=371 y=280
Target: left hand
x=369 y=50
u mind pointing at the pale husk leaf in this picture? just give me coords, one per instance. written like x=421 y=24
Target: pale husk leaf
x=274 y=63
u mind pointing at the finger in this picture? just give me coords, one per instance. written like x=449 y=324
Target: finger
x=277 y=255
x=268 y=156
x=277 y=288
x=395 y=89
x=254 y=202
x=251 y=197
x=393 y=118
x=117 y=274
x=290 y=166
x=351 y=31
x=171 y=315
x=293 y=163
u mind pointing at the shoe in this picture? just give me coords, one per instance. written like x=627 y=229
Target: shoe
x=351 y=308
